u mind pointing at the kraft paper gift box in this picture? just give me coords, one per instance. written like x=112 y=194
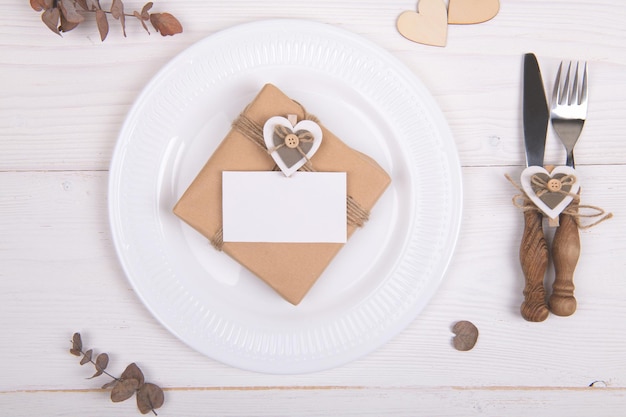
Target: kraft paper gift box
x=290 y=269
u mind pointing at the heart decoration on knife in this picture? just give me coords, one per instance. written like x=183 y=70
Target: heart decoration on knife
x=291 y=145
x=551 y=191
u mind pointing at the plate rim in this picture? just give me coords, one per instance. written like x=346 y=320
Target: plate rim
x=434 y=112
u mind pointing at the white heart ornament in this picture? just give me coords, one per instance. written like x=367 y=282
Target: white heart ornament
x=556 y=195
x=291 y=146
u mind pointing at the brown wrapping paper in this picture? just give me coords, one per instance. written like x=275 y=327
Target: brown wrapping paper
x=289 y=268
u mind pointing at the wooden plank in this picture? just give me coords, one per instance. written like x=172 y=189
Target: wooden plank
x=71 y=120
x=60 y=274
x=63 y=102
x=330 y=400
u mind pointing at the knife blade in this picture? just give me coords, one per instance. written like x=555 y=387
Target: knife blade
x=536 y=113
x=533 y=248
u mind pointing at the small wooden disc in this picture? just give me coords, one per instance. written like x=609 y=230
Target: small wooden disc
x=466 y=335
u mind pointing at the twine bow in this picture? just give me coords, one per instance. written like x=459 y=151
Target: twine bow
x=554 y=185
x=522 y=202
x=292 y=141
x=251 y=130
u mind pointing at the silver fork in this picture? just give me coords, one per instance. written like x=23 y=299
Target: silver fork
x=568 y=114
x=569 y=109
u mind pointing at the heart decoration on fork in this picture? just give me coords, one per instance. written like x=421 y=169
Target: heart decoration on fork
x=551 y=191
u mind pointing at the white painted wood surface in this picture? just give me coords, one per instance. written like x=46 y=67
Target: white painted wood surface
x=63 y=100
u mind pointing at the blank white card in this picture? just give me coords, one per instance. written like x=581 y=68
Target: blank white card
x=267 y=206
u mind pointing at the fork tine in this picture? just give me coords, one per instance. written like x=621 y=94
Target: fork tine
x=556 y=92
x=574 y=90
x=567 y=92
x=583 y=94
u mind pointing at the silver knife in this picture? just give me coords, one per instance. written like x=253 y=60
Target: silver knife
x=533 y=248
x=536 y=113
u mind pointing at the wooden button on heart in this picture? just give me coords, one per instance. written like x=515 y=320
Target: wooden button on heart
x=465 y=12
x=428 y=26
x=555 y=185
x=292 y=141
x=552 y=191
x=291 y=146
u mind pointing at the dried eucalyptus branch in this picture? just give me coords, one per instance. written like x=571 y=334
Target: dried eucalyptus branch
x=131 y=382
x=64 y=15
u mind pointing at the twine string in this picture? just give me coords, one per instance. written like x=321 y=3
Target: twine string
x=524 y=203
x=356 y=215
x=304 y=136
x=541 y=185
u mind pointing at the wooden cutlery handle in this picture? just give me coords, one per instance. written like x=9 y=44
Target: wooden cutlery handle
x=534 y=260
x=565 y=254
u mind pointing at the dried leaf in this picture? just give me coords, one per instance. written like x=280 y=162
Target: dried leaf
x=110 y=384
x=65 y=25
x=89 y=5
x=123 y=23
x=68 y=9
x=86 y=357
x=143 y=23
x=51 y=18
x=149 y=398
x=82 y=4
x=124 y=389
x=39 y=5
x=166 y=24
x=144 y=12
x=103 y=24
x=132 y=371
x=102 y=361
x=117 y=11
x=77 y=345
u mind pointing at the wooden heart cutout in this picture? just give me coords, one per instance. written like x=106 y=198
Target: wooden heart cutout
x=291 y=146
x=428 y=26
x=465 y=12
x=552 y=191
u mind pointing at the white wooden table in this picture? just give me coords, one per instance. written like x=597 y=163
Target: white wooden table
x=62 y=104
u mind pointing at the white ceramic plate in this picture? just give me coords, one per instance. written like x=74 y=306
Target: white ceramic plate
x=385 y=274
